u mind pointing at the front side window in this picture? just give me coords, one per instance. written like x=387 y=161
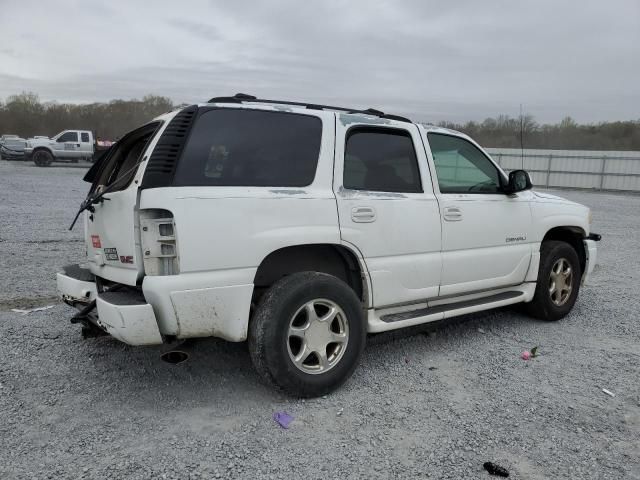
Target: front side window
x=68 y=137
x=240 y=147
x=84 y=136
x=382 y=160
x=461 y=167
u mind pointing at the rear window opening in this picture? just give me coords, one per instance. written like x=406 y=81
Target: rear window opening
x=116 y=168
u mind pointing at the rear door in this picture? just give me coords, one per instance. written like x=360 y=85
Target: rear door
x=111 y=231
x=387 y=208
x=86 y=145
x=486 y=234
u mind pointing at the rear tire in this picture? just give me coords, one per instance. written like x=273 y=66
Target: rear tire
x=558 y=283
x=42 y=158
x=307 y=334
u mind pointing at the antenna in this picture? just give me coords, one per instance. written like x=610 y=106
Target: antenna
x=521 y=139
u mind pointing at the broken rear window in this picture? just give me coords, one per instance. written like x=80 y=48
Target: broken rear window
x=240 y=147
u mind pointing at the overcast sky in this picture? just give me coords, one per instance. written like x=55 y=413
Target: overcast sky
x=444 y=60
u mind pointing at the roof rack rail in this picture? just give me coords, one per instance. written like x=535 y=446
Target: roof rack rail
x=243 y=97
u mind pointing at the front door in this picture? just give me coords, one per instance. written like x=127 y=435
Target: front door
x=387 y=208
x=67 y=145
x=486 y=234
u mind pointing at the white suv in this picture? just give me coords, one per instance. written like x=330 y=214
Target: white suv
x=301 y=228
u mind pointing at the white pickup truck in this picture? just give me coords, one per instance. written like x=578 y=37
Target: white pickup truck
x=67 y=146
x=301 y=228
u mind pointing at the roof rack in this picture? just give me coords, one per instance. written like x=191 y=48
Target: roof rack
x=243 y=97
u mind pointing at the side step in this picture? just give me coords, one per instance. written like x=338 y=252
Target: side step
x=421 y=312
x=418 y=316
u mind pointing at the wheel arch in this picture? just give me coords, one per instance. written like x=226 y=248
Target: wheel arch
x=334 y=259
x=42 y=147
x=574 y=236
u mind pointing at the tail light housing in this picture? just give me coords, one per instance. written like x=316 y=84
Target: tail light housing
x=159 y=243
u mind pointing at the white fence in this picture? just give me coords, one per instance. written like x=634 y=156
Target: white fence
x=597 y=170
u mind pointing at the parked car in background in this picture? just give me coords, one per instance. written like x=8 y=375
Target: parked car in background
x=12 y=148
x=67 y=146
x=4 y=138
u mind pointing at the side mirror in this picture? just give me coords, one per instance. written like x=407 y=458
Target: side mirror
x=519 y=180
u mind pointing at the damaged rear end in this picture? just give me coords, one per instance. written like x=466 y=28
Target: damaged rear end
x=123 y=243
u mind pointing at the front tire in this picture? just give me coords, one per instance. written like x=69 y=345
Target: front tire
x=307 y=334
x=42 y=158
x=558 y=283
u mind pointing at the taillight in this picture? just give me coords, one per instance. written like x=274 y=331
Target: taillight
x=158 y=238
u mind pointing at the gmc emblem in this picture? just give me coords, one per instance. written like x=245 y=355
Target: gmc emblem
x=126 y=259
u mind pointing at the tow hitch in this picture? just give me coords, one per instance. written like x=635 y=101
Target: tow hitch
x=84 y=317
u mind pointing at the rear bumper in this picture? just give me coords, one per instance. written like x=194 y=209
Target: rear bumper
x=131 y=320
x=124 y=315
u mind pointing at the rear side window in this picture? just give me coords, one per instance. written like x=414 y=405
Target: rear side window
x=84 y=136
x=382 y=160
x=237 y=147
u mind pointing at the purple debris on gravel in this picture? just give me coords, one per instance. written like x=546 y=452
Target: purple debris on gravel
x=283 y=419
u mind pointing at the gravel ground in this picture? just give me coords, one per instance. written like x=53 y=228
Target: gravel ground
x=430 y=405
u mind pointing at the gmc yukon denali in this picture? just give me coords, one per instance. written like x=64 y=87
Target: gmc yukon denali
x=301 y=228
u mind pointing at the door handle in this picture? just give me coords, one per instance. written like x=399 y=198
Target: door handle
x=452 y=214
x=363 y=214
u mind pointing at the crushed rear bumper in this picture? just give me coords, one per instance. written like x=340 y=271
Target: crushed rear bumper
x=125 y=314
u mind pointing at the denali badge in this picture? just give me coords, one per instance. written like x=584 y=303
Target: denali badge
x=111 y=254
x=517 y=238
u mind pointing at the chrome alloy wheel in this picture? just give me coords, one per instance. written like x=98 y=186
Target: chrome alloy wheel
x=560 y=282
x=318 y=336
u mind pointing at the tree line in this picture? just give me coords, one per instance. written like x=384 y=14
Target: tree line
x=509 y=132
x=25 y=115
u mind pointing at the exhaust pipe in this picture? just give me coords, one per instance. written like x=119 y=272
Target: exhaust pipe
x=174 y=356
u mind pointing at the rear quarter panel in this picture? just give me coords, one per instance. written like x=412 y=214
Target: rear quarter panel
x=224 y=233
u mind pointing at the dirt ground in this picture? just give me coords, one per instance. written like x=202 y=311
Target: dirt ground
x=435 y=404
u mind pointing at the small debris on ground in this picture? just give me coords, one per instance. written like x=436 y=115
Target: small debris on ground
x=24 y=312
x=283 y=419
x=495 y=469
x=482 y=331
x=608 y=392
x=529 y=354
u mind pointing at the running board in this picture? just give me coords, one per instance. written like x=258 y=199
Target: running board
x=391 y=321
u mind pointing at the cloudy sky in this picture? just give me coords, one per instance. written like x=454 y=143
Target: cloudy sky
x=431 y=60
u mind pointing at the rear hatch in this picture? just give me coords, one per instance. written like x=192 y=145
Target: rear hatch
x=111 y=219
